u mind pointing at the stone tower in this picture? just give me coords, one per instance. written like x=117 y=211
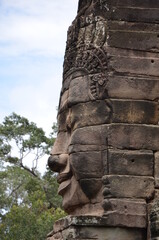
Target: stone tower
x=107 y=148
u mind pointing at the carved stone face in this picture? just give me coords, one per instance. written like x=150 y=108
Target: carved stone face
x=107 y=148
x=80 y=148
x=105 y=122
x=79 y=153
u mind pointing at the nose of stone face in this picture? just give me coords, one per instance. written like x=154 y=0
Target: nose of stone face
x=53 y=163
x=57 y=162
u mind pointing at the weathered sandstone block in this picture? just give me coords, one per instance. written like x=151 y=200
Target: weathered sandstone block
x=135 y=36
x=78 y=91
x=92 y=227
x=137 y=163
x=126 y=136
x=104 y=111
x=116 y=186
x=156 y=173
x=134 y=3
x=91 y=113
x=93 y=135
x=128 y=111
x=126 y=212
x=80 y=159
x=141 y=64
x=133 y=87
x=134 y=14
x=61 y=145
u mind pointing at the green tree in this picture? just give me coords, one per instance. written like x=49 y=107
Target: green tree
x=29 y=203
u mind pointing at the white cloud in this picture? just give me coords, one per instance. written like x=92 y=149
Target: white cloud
x=38 y=102
x=32 y=90
x=35 y=27
x=32 y=36
x=31 y=50
x=50 y=8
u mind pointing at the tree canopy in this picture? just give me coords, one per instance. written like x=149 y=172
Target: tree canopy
x=29 y=203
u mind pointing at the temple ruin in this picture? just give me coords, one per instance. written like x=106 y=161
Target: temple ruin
x=107 y=148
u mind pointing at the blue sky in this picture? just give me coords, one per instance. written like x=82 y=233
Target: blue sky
x=32 y=45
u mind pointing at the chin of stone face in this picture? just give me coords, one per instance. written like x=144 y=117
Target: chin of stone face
x=107 y=149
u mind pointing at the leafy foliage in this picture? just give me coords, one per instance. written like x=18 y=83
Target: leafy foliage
x=19 y=135
x=29 y=203
x=26 y=223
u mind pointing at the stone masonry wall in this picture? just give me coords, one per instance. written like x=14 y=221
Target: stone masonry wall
x=110 y=101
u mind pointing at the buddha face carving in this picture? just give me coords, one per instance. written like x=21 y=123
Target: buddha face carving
x=107 y=150
x=79 y=153
x=80 y=149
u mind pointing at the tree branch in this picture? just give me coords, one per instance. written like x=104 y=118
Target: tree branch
x=29 y=170
x=15 y=189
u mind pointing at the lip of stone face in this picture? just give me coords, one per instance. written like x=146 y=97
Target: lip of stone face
x=63 y=186
x=62 y=177
x=60 y=163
